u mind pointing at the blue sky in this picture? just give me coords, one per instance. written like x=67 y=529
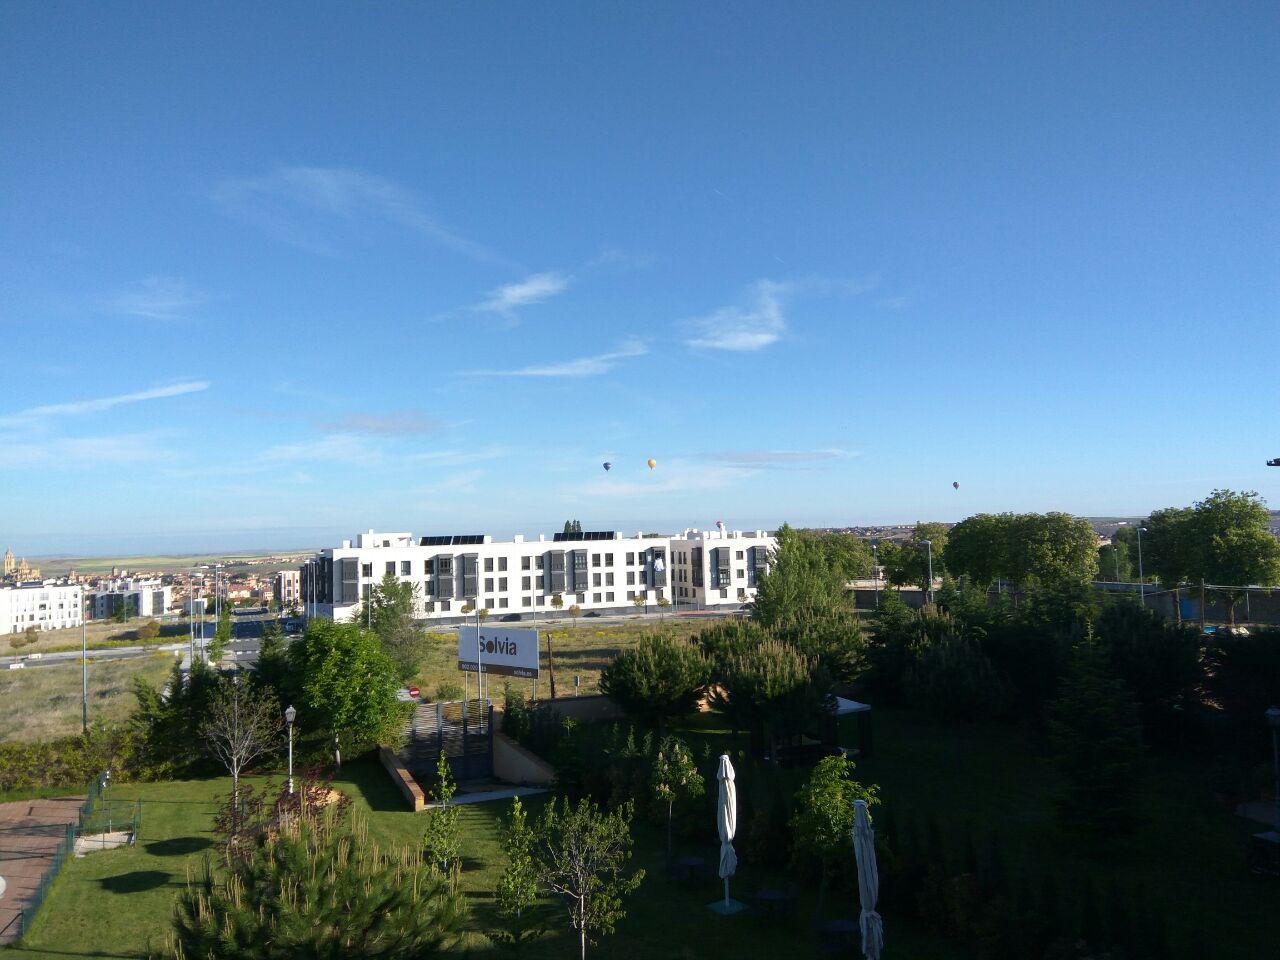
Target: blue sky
x=272 y=273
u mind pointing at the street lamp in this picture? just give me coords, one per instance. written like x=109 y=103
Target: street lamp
x=928 y=546
x=290 y=715
x=84 y=667
x=1142 y=584
x=875 y=568
x=1273 y=721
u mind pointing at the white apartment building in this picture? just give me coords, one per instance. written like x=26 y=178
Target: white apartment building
x=45 y=605
x=149 y=597
x=285 y=589
x=599 y=571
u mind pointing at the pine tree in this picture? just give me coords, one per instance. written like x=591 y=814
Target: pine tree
x=316 y=887
x=1094 y=732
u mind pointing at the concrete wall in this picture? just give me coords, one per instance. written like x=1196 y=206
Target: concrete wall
x=514 y=764
x=408 y=787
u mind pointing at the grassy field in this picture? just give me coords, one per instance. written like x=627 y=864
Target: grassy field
x=38 y=703
x=99 y=634
x=118 y=902
x=165 y=563
x=584 y=649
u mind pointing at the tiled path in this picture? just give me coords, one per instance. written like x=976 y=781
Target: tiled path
x=30 y=831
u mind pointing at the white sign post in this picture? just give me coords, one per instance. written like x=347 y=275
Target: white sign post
x=498 y=650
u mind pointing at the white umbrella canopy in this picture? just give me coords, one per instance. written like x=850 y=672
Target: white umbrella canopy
x=727 y=818
x=864 y=851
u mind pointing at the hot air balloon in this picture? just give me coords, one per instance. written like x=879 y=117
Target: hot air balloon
x=720 y=525
x=652 y=463
x=608 y=466
x=956 y=484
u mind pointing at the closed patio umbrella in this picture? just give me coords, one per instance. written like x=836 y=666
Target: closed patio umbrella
x=864 y=851
x=727 y=824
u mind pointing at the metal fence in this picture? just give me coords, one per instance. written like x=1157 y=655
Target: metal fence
x=106 y=822
x=96 y=817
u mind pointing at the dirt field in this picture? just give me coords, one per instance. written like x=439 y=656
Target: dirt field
x=44 y=702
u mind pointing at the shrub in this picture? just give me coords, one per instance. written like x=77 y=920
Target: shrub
x=771 y=684
x=448 y=690
x=659 y=678
x=954 y=680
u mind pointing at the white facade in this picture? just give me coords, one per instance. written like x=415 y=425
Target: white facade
x=285 y=588
x=47 y=605
x=149 y=598
x=519 y=578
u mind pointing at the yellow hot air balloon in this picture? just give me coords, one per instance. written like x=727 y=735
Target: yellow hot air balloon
x=652 y=463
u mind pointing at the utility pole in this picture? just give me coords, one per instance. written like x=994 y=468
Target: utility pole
x=1202 y=605
x=1142 y=583
x=84 y=667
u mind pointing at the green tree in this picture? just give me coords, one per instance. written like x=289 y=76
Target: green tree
x=316 y=887
x=148 y=631
x=770 y=688
x=799 y=588
x=1054 y=548
x=389 y=612
x=580 y=855
x=822 y=826
x=658 y=678
x=909 y=564
x=346 y=683
x=125 y=610
x=221 y=636
x=1235 y=545
x=573 y=526
x=575 y=611
x=517 y=893
x=847 y=555
x=1115 y=562
x=978 y=547
x=557 y=601
x=1094 y=734
x=640 y=602
x=675 y=778
x=271 y=669
x=442 y=840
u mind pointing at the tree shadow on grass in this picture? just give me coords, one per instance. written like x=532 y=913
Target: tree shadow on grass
x=136 y=881
x=374 y=784
x=177 y=846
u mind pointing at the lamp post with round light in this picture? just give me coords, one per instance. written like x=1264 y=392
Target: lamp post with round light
x=290 y=715
x=928 y=546
x=1142 y=584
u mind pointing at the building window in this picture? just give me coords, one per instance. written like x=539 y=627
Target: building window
x=631 y=578
x=526 y=602
x=502 y=564
x=742 y=574
x=739 y=555
x=524 y=563
x=405 y=567
x=391 y=566
x=444 y=606
x=502 y=603
x=595 y=579
x=538 y=561
x=366 y=570
x=582 y=597
x=608 y=579
x=526 y=583
x=595 y=598
x=631 y=559
x=488 y=564
x=502 y=585
x=608 y=598
x=488 y=583
x=608 y=559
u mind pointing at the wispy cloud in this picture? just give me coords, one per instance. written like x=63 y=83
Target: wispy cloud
x=311 y=207
x=454 y=458
x=765 y=459
x=398 y=424
x=157 y=298
x=97 y=404
x=80 y=452
x=346 y=448
x=744 y=328
x=578 y=367
x=535 y=288
x=464 y=481
x=675 y=476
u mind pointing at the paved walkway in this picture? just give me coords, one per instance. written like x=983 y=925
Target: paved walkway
x=30 y=831
x=484 y=796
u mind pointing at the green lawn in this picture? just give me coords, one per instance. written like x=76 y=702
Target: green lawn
x=1187 y=856
x=117 y=902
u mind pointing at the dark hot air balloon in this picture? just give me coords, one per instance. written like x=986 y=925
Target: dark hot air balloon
x=956 y=484
x=607 y=465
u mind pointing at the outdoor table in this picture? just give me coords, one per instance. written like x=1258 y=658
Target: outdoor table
x=837 y=935
x=776 y=904
x=688 y=868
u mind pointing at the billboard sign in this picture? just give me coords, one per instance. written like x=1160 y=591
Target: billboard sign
x=502 y=651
